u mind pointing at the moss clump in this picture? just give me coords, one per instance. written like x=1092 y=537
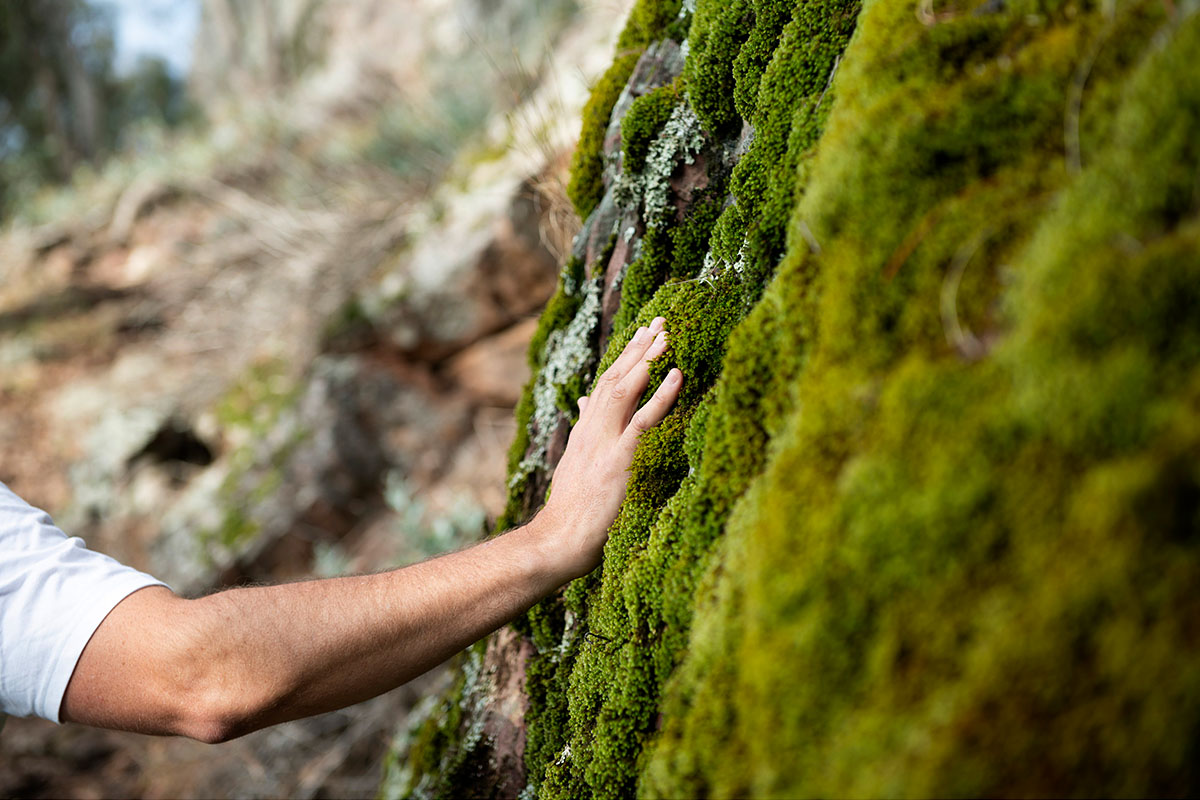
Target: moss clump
x=649 y=21
x=642 y=123
x=793 y=97
x=891 y=599
x=718 y=31
x=669 y=252
x=586 y=186
x=770 y=17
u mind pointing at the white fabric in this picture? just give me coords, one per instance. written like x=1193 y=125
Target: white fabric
x=54 y=593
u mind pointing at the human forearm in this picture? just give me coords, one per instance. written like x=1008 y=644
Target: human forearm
x=223 y=665
x=305 y=648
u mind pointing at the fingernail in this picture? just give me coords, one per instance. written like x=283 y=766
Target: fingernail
x=640 y=336
x=657 y=323
x=674 y=376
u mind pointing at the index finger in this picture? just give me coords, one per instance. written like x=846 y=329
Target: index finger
x=634 y=350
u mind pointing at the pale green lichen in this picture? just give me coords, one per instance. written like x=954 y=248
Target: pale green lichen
x=568 y=354
x=649 y=190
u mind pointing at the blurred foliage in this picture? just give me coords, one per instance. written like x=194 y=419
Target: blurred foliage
x=418 y=135
x=62 y=104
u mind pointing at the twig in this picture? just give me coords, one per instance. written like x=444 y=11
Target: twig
x=807 y=233
x=836 y=63
x=1074 y=156
x=957 y=336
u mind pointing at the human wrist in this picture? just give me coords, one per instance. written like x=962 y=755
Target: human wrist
x=557 y=545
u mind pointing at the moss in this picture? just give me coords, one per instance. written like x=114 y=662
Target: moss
x=770 y=17
x=674 y=252
x=560 y=310
x=917 y=622
x=643 y=121
x=645 y=593
x=586 y=186
x=717 y=33
x=926 y=517
x=795 y=100
x=236 y=528
x=649 y=21
x=259 y=396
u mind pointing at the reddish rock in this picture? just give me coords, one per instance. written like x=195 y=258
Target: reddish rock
x=493 y=371
x=504 y=718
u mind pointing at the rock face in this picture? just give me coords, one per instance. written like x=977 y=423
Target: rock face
x=924 y=520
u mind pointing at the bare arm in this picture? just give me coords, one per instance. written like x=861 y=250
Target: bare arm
x=221 y=666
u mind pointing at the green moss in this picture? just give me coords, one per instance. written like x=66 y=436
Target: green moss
x=649 y=21
x=675 y=252
x=718 y=31
x=770 y=16
x=236 y=528
x=926 y=517
x=795 y=100
x=259 y=396
x=560 y=310
x=920 y=614
x=586 y=186
x=642 y=123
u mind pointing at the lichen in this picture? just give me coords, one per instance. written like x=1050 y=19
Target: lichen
x=649 y=21
x=567 y=353
x=443 y=746
x=642 y=123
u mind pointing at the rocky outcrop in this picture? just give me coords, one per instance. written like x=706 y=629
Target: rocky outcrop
x=923 y=521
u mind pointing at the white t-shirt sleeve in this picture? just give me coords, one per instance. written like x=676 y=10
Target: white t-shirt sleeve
x=54 y=593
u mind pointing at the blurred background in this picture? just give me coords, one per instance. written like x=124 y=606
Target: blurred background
x=268 y=270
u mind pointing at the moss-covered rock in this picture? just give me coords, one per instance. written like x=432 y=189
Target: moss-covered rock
x=924 y=519
x=649 y=21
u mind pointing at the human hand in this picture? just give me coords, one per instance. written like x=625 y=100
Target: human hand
x=590 y=480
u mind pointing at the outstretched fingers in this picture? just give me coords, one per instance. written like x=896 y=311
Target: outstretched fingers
x=621 y=385
x=619 y=388
x=637 y=379
x=655 y=409
x=634 y=352
x=590 y=479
